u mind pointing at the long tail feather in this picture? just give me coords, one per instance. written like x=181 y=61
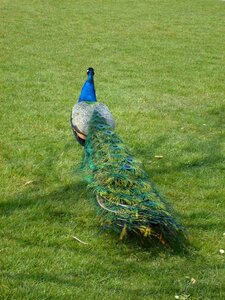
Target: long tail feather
x=126 y=199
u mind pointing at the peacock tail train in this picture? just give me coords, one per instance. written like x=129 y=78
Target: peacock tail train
x=126 y=199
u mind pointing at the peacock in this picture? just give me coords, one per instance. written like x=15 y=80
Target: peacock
x=126 y=199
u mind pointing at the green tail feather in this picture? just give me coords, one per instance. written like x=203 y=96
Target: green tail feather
x=127 y=200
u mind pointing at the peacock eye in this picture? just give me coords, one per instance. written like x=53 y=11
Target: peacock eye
x=100 y=126
x=115 y=147
x=108 y=132
x=129 y=159
x=126 y=167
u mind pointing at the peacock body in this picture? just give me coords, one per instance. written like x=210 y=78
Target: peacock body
x=126 y=199
x=83 y=109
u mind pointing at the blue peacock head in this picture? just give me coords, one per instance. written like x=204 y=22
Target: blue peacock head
x=88 y=90
x=90 y=72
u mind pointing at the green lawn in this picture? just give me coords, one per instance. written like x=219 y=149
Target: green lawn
x=160 y=68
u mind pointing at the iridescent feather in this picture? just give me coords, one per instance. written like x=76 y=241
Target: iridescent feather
x=126 y=199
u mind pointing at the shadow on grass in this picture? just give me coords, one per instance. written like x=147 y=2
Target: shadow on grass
x=30 y=198
x=204 y=220
x=208 y=161
x=211 y=151
x=65 y=205
x=43 y=277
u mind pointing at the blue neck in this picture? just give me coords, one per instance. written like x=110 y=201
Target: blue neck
x=88 y=90
x=90 y=77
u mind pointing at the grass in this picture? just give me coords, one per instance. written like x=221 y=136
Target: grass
x=160 y=68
